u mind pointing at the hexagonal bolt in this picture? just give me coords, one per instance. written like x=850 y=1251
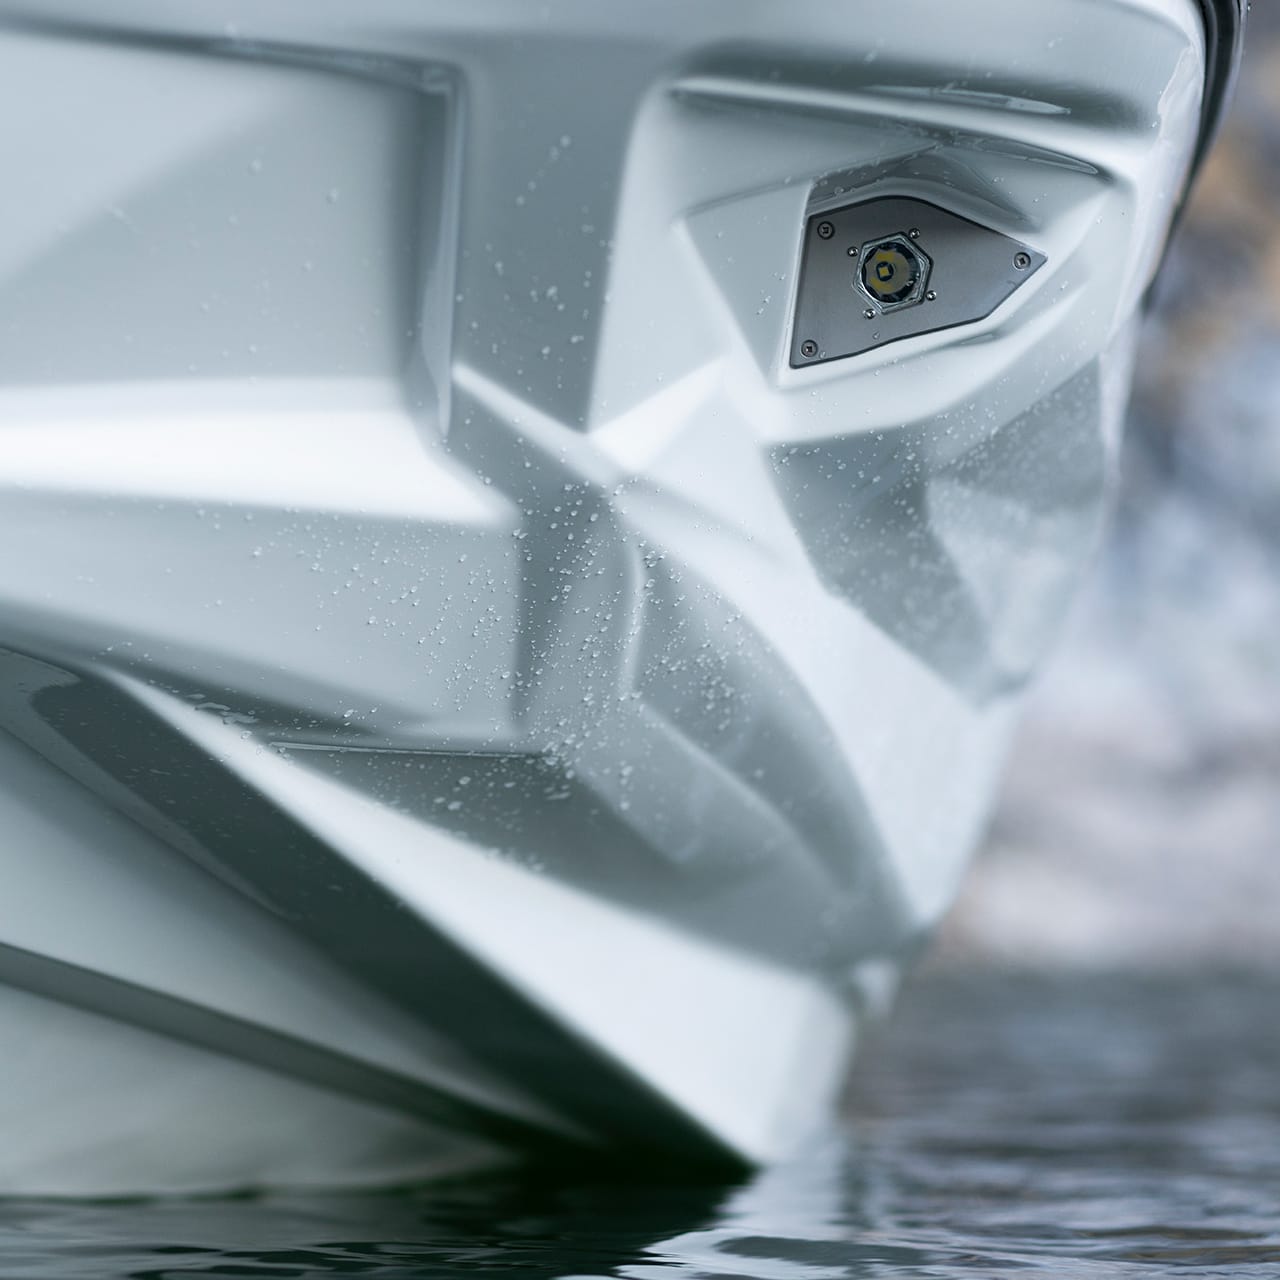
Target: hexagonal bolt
x=893 y=272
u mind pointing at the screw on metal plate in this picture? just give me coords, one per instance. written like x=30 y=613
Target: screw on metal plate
x=1021 y=260
x=826 y=230
x=808 y=348
x=852 y=251
x=870 y=315
x=914 y=233
x=931 y=296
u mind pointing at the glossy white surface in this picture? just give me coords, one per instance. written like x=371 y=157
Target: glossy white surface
x=417 y=544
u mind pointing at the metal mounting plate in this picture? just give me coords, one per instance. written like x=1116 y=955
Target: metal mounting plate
x=973 y=270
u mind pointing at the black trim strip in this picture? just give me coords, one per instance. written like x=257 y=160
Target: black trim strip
x=1224 y=22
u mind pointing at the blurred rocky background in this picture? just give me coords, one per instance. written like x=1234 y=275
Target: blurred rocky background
x=1140 y=823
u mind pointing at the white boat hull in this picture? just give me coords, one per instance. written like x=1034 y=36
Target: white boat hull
x=469 y=681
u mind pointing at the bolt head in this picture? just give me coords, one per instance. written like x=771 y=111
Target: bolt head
x=808 y=348
x=1021 y=260
x=826 y=230
x=893 y=272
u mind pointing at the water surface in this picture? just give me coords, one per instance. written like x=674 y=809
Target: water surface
x=1099 y=1127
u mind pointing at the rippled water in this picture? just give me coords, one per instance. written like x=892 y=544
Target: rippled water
x=1002 y=1127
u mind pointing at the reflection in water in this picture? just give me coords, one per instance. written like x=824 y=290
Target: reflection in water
x=1084 y=1128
